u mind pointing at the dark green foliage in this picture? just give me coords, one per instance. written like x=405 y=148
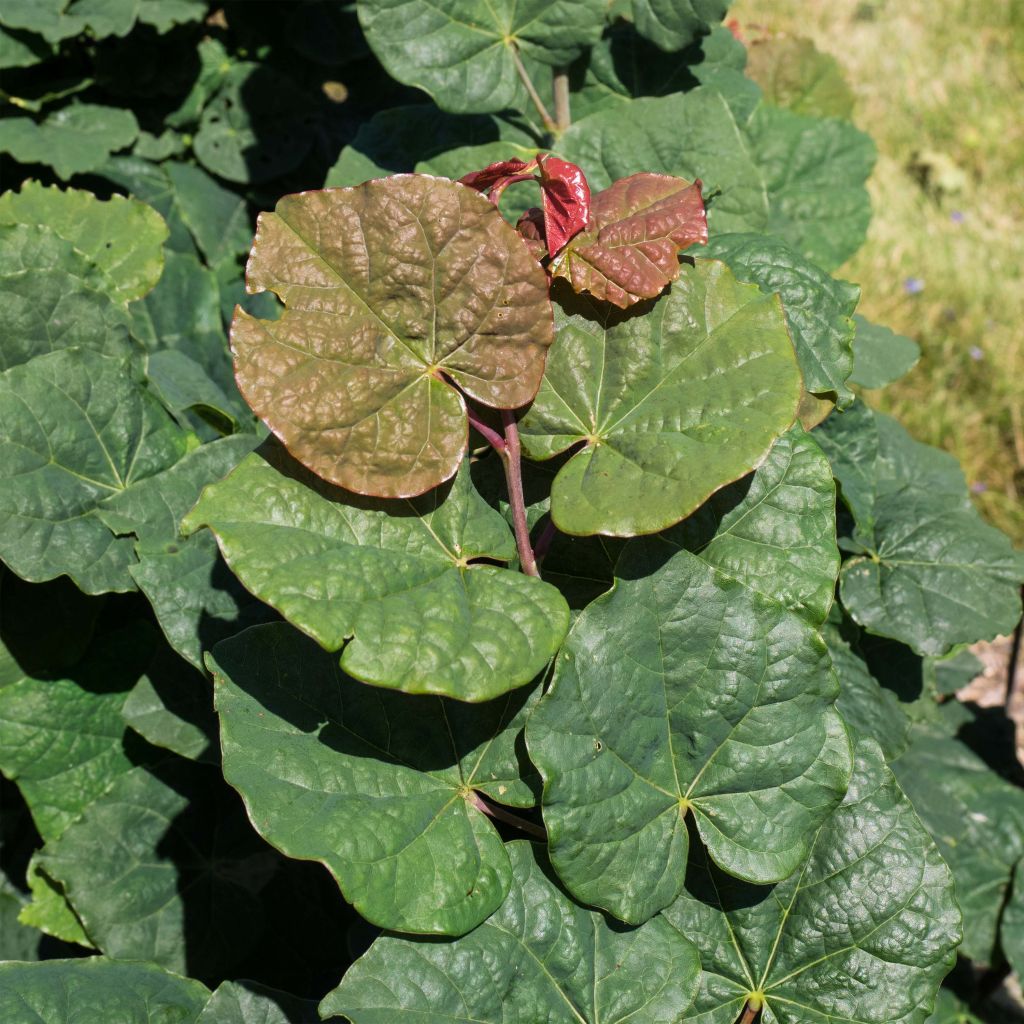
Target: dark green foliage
x=726 y=708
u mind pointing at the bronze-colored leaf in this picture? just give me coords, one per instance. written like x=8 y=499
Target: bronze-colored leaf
x=395 y=290
x=637 y=228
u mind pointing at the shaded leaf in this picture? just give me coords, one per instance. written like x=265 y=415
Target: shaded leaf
x=687 y=135
x=257 y=126
x=61 y=739
x=540 y=953
x=350 y=377
x=122 y=237
x=49 y=910
x=75 y=428
x=673 y=401
x=977 y=821
x=868 y=708
x=195 y=604
x=1011 y=929
x=150 y=183
x=673 y=24
x=217 y=217
x=864 y=930
x=818 y=307
x=164 y=867
x=815 y=170
x=385 y=575
x=932 y=574
x=880 y=355
x=22 y=50
x=463 y=54
x=774 y=531
x=793 y=73
x=637 y=228
x=949 y=1010
x=97 y=991
x=53 y=298
x=398 y=140
x=73 y=140
x=730 y=722
x=249 y=1003
x=171 y=706
x=389 y=780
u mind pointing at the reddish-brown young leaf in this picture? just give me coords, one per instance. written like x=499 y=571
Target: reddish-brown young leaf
x=531 y=226
x=566 y=200
x=493 y=174
x=394 y=290
x=637 y=228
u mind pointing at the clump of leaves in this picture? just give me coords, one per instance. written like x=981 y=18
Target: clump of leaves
x=521 y=489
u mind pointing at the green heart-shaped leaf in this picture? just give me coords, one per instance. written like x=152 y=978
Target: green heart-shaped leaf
x=391 y=287
x=75 y=428
x=97 y=991
x=464 y=53
x=688 y=135
x=673 y=401
x=818 y=307
x=774 y=531
x=76 y=139
x=388 y=779
x=673 y=24
x=880 y=355
x=863 y=931
x=815 y=170
x=796 y=75
x=164 y=866
x=194 y=604
x=122 y=237
x=540 y=955
x=61 y=738
x=977 y=821
x=53 y=298
x=730 y=721
x=932 y=573
x=386 y=574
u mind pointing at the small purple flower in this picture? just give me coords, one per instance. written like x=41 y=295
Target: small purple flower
x=957 y=217
x=976 y=353
x=913 y=285
x=978 y=487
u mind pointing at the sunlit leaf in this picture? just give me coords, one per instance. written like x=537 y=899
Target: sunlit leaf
x=73 y=140
x=393 y=288
x=863 y=930
x=463 y=53
x=383 y=574
x=122 y=237
x=630 y=248
x=541 y=956
x=673 y=400
x=730 y=722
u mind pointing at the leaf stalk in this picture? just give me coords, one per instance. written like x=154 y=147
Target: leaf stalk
x=531 y=91
x=500 y=813
x=560 y=86
x=511 y=457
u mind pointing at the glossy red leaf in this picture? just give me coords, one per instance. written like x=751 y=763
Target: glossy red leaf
x=566 y=201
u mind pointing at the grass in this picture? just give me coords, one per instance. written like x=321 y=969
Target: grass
x=940 y=84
